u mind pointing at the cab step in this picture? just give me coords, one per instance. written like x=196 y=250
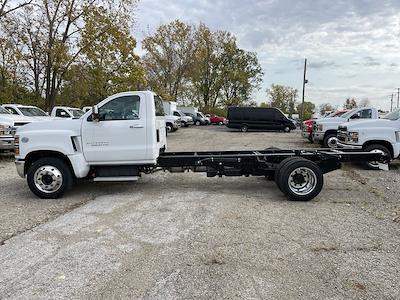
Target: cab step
x=116 y=179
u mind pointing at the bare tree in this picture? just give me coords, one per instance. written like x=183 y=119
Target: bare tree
x=6 y=7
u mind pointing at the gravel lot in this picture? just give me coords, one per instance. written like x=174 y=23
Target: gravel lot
x=186 y=236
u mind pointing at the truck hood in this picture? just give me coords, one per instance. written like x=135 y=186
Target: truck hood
x=9 y=119
x=370 y=123
x=72 y=125
x=331 y=121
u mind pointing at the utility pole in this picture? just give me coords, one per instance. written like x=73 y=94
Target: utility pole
x=391 y=104
x=304 y=87
x=398 y=97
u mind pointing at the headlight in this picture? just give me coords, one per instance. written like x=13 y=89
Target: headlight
x=352 y=136
x=320 y=127
x=5 y=129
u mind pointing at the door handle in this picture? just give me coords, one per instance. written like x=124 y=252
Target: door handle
x=136 y=126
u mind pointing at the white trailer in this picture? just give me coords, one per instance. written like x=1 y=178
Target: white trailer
x=189 y=110
x=170 y=107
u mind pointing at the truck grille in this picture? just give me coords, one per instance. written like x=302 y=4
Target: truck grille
x=342 y=136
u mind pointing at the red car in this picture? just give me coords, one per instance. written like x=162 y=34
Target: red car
x=309 y=124
x=214 y=119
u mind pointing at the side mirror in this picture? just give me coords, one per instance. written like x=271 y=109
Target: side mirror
x=95 y=114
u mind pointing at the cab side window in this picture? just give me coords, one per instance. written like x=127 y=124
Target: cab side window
x=176 y=114
x=12 y=110
x=366 y=114
x=61 y=113
x=122 y=108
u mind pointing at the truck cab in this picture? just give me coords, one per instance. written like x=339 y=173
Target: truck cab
x=382 y=135
x=120 y=138
x=325 y=130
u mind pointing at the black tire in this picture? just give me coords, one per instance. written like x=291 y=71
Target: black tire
x=244 y=128
x=309 y=172
x=327 y=142
x=377 y=147
x=61 y=166
x=279 y=169
x=169 y=127
x=197 y=123
x=220 y=123
x=287 y=129
x=310 y=138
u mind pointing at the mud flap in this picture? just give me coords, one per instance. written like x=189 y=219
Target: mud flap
x=383 y=167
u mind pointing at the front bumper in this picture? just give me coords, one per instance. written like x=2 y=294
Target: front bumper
x=6 y=143
x=341 y=145
x=20 y=165
x=318 y=136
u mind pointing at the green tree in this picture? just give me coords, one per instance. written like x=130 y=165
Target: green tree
x=309 y=109
x=49 y=36
x=109 y=64
x=282 y=97
x=241 y=74
x=168 y=58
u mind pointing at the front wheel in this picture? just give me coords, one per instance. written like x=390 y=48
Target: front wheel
x=244 y=128
x=286 y=129
x=49 y=178
x=374 y=165
x=198 y=123
x=330 y=141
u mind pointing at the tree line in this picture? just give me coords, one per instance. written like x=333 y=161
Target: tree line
x=77 y=52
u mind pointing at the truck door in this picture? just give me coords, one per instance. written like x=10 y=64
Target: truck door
x=120 y=135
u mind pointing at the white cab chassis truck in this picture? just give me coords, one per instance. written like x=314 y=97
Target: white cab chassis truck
x=124 y=136
x=325 y=130
x=382 y=135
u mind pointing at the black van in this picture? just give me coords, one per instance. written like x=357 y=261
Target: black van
x=245 y=118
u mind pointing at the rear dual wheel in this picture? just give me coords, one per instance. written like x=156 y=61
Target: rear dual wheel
x=299 y=179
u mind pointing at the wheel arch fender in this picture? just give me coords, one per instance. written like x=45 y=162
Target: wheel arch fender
x=384 y=143
x=76 y=163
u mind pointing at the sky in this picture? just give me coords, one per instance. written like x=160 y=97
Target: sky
x=352 y=46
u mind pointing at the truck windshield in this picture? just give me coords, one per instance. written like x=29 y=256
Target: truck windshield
x=4 y=111
x=393 y=116
x=349 y=113
x=76 y=113
x=32 y=112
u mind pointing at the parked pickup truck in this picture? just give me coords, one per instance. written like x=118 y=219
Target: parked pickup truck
x=28 y=111
x=382 y=135
x=172 y=123
x=8 y=125
x=124 y=136
x=325 y=130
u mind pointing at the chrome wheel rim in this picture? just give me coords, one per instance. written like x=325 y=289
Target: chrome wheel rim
x=375 y=164
x=302 y=181
x=286 y=129
x=48 y=179
x=332 y=142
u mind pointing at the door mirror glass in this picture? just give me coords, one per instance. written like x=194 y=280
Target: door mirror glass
x=95 y=114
